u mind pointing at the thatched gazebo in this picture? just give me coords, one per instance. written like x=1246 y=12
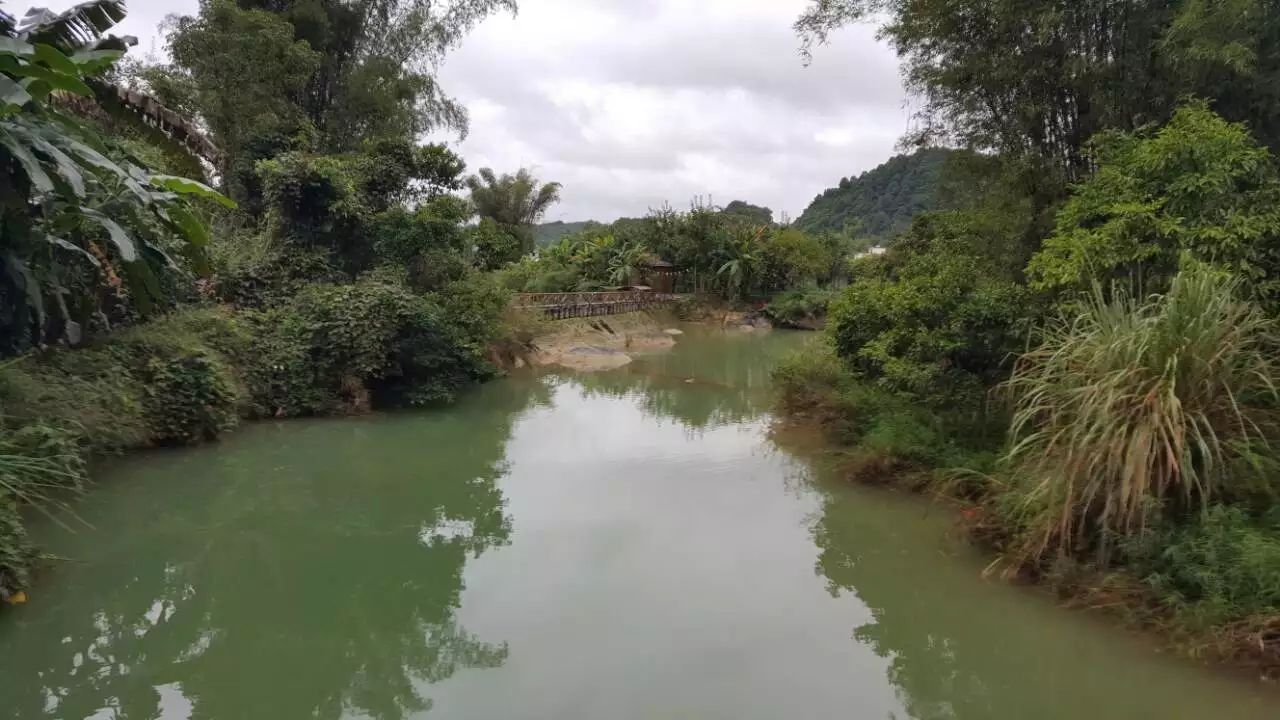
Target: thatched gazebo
x=659 y=274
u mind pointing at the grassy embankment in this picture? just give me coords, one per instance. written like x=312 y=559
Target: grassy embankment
x=194 y=374
x=1125 y=465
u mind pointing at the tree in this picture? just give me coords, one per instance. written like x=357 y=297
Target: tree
x=316 y=76
x=1199 y=186
x=933 y=320
x=516 y=201
x=882 y=202
x=791 y=258
x=741 y=258
x=625 y=262
x=247 y=76
x=495 y=245
x=388 y=202
x=1038 y=79
x=370 y=72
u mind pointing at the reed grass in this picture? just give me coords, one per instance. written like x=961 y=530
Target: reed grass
x=1136 y=405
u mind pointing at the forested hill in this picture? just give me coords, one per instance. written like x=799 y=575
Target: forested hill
x=549 y=233
x=880 y=202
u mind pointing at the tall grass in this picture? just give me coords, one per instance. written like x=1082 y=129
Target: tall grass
x=41 y=466
x=1136 y=405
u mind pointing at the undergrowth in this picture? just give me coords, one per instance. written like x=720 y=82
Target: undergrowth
x=804 y=307
x=191 y=375
x=1138 y=473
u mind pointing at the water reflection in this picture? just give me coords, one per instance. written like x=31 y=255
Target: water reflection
x=300 y=570
x=712 y=379
x=659 y=558
x=962 y=648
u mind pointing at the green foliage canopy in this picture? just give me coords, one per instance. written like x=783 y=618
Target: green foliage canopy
x=932 y=322
x=247 y=77
x=881 y=203
x=1198 y=186
x=1038 y=79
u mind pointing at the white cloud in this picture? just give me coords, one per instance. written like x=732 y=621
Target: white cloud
x=632 y=103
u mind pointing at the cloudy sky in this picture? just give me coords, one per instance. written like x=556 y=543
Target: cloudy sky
x=632 y=103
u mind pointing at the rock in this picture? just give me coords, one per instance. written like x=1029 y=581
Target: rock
x=590 y=357
x=673 y=332
x=649 y=340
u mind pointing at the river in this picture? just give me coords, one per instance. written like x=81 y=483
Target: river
x=630 y=544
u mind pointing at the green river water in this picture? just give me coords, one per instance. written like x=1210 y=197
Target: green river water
x=630 y=544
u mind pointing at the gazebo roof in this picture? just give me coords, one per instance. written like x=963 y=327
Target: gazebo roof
x=653 y=261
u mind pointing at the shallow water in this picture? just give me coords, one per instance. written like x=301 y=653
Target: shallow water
x=623 y=545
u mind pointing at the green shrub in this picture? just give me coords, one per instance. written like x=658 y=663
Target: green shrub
x=189 y=399
x=353 y=207
x=790 y=257
x=808 y=384
x=190 y=331
x=269 y=273
x=429 y=242
x=336 y=346
x=107 y=394
x=1221 y=567
x=938 y=327
x=518 y=276
x=886 y=432
x=90 y=389
x=804 y=307
x=1134 y=404
x=497 y=246
x=475 y=306
x=688 y=307
x=40 y=463
x=314 y=199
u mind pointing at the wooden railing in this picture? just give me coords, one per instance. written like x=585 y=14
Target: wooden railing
x=590 y=304
x=110 y=100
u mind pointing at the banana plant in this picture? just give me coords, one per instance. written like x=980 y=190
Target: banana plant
x=739 y=269
x=65 y=190
x=625 y=261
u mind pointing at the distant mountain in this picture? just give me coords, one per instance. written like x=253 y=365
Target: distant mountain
x=550 y=233
x=879 y=203
x=751 y=213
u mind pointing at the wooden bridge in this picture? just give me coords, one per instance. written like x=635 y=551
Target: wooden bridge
x=562 y=306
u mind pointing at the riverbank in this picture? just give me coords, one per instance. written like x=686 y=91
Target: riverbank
x=193 y=375
x=196 y=374
x=623 y=509
x=1202 y=590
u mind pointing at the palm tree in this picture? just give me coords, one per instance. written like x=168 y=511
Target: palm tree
x=517 y=201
